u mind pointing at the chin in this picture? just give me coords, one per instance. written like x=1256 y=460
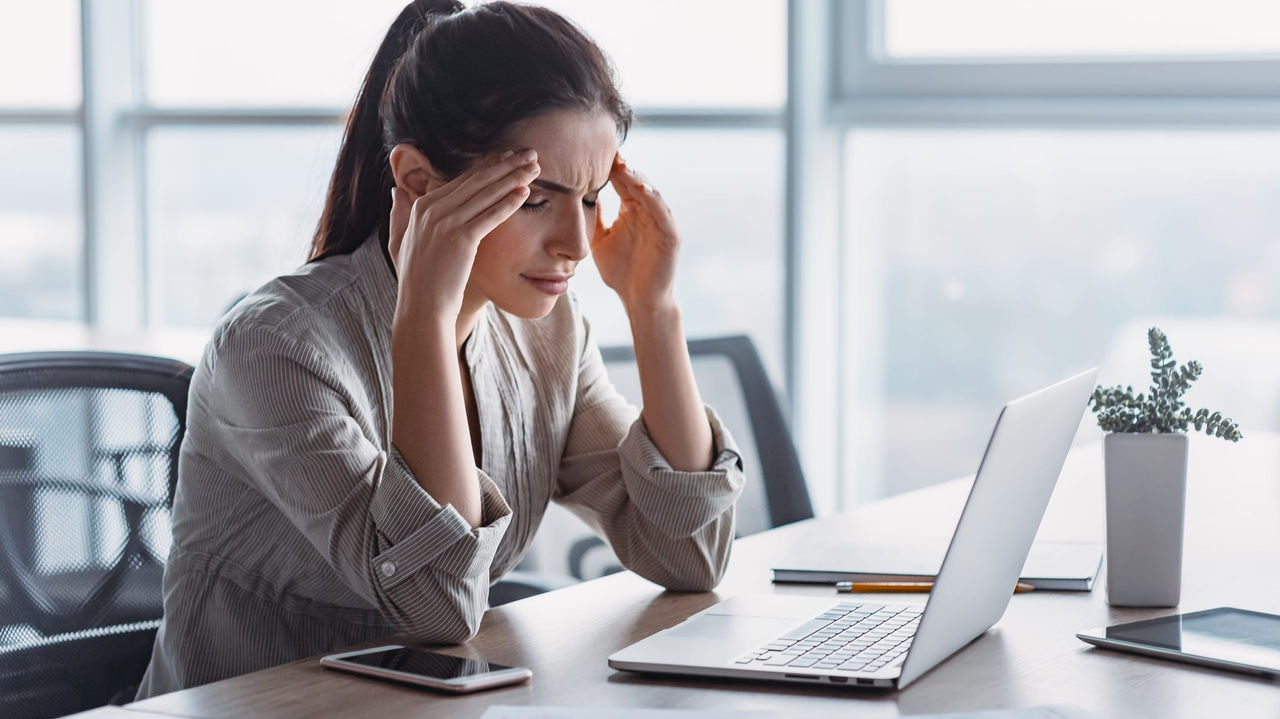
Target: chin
x=529 y=309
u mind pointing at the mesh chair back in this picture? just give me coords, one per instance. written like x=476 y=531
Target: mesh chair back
x=732 y=379
x=88 y=461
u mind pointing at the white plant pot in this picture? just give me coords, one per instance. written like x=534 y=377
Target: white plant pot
x=1146 y=489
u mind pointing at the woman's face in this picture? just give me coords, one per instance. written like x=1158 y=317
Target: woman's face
x=524 y=265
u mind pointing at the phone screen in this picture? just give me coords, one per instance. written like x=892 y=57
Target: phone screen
x=430 y=664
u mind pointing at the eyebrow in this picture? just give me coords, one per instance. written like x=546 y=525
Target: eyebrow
x=556 y=187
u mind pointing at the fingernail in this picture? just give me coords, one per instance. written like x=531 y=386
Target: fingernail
x=508 y=153
x=529 y=156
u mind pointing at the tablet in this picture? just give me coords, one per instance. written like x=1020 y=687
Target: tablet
x=1226 y=637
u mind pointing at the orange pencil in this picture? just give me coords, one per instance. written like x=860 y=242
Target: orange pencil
x=886 y=587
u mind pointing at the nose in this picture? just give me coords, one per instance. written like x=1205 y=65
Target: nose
x=573 y=240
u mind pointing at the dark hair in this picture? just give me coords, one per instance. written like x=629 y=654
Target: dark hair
x=451 y=82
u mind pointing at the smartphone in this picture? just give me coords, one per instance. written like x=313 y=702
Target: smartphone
x=427 y=669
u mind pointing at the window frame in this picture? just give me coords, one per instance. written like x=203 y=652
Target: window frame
x=869 y=88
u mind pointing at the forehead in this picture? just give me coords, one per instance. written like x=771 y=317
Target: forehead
x=574 y=148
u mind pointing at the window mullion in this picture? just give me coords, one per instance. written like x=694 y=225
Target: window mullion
x=115 y=281
x=812 y=339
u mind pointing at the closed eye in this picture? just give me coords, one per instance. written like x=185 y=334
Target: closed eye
x=542 y=205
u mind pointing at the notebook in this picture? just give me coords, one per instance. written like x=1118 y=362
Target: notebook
x=1050 y=565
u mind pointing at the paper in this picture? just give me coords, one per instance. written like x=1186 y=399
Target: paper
x=499 y=711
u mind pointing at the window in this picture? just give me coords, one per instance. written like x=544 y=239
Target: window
x=40 y=51
x=294 y=53
x=1004 y=259
x=1062 y=29
x=40 y=174
x=40 y=219
x=229 y=209
x=1054 y=61
x=714 y=54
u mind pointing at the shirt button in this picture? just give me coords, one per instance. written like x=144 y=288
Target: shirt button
x=388 y=568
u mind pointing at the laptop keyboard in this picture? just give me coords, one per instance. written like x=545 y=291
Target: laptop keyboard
x=848 y=637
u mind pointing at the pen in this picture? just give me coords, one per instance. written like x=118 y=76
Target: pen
x=876 y=587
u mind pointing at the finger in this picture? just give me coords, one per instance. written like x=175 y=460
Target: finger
x=401 y=210
x=453 y=193
x=495 y=192
x=622 y=177
x=398 y=222
x=631 y=185
x=600 y=228
x=485 y=162
x=635 y=189
x=497 y=213
x=486 y=174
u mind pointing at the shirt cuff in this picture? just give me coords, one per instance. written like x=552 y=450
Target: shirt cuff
x=415 y=531
x=680 y=503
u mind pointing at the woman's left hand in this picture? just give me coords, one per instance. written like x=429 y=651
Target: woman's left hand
x=636 y=255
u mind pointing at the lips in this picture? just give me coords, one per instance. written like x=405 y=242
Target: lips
x=551 y=284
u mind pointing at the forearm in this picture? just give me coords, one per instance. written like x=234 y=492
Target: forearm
x=673 y=412
x=429 y=423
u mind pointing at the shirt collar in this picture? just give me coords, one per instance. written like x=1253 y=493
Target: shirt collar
x=378 y=279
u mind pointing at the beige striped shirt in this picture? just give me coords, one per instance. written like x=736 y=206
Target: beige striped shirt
x=299 y=529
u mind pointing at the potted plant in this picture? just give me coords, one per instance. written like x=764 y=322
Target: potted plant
x=1145 y=457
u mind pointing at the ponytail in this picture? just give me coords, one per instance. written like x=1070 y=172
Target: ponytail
x=451 y=83
x=359 y=196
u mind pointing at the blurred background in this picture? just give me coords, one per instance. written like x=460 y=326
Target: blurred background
x=917 y=209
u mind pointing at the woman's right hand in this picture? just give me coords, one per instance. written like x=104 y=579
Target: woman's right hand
x=433 y=238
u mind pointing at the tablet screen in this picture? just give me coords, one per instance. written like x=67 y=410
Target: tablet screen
x=1233 y=635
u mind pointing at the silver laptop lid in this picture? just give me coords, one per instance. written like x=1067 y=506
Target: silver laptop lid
x=993 y=537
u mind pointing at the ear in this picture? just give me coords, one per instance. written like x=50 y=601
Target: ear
x=412 y=171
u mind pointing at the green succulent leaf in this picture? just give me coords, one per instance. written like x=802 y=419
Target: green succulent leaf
x=1162 y=409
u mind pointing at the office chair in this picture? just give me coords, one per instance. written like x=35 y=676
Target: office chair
x=732 y=379
x=88 y=461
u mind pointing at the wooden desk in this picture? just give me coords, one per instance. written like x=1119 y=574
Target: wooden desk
x=1030 y=657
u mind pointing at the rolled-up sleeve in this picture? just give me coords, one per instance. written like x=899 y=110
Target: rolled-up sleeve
x=282 y=416
x=672 y=527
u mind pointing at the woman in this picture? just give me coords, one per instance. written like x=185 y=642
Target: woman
x=373 y=440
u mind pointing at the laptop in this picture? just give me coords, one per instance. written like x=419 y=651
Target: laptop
x=855 y=643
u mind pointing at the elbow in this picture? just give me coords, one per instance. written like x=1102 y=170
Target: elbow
x=704 y=578
x=691 y=566
x=439 y=617
x=444 y=627
x=453 y=633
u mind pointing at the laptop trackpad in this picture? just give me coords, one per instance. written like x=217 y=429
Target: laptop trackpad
x=722 y=626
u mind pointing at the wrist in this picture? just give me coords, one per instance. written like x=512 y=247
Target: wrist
x=651 y=318
x=414 y=332
x=649 y=309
